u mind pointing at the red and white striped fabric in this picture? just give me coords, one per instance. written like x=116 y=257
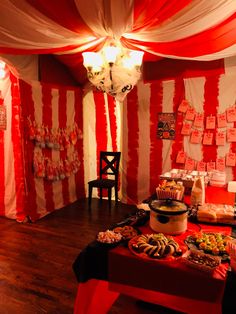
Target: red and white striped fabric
x=12 y=185
x=56 y=108
x=144 y=156
x=187 y=29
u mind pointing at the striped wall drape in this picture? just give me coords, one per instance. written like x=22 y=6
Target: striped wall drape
x=144 y=156
x=129 y=127
x=55 y=108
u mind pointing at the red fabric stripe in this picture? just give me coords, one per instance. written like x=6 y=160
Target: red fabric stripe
x=169 y=69
x=211 y=92
x=2 y=173
x=79 y=176
x=62 y=115
x=156 y=145
x=207 y=42
x=178 y=142
x=152 y=13
x=27 y=106
x=113 y=122
x=101 y=124
x=56 y=12
x=19 y=51
x=17 y=149
x=133 y=136
x=47 y=120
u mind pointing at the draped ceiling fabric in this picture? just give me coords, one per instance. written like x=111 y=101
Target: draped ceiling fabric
x=188 y=29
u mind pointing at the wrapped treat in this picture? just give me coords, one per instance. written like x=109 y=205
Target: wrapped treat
x=198 y=191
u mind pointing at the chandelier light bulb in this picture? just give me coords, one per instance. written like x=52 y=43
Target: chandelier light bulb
x=136 y=57
x=111 y=53
x=92 y=59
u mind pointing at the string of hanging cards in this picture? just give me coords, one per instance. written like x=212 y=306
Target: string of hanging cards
x=215 y=130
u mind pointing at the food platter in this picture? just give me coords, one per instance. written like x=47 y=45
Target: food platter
x=210 y=243
x=167 y=257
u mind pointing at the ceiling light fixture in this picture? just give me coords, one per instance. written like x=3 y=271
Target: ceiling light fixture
x=114 y=70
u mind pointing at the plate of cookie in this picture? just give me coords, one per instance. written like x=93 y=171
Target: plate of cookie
x=156 y=246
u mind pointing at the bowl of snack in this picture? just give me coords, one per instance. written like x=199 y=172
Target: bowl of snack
x=109 y=238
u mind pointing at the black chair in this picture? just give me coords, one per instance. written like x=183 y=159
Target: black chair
x=109 y=165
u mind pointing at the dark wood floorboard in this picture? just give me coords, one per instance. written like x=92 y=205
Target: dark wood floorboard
x=36 y=259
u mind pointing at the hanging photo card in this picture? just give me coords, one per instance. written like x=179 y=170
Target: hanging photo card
x=230 y=159
x=220 y=138
x=207 y=138
x=3 y=118
x=220 y=164
x=221 y=120
x=181 y=156
x=198 y=121
x=183 y=107
x=196 y=137
x=186 y=129
x=190 y=114
x=201 y=166
x=211 y=166
x=231 y=114
x=189 y=164
x=231 y=135
x=211 y=122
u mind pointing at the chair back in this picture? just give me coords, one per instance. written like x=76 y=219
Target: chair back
x=109 y=164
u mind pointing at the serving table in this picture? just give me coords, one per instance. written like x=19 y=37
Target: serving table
x=104 y=273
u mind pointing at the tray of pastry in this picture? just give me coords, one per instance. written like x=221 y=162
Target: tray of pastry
x=214 y=214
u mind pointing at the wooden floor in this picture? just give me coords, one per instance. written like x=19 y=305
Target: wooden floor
x=36 y=259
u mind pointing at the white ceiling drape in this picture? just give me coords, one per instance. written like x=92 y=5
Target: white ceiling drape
x=188 y=29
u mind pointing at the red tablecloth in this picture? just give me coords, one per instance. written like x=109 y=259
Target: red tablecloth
x=169 y=284
x=171 y=277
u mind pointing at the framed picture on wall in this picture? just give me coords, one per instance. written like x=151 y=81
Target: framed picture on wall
x=166 y=125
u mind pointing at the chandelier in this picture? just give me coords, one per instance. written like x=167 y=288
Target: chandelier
x=114 y=70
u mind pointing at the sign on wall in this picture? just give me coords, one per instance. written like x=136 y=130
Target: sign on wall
x=166 y=126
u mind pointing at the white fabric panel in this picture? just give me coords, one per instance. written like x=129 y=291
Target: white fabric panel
x=194 y=93
x=107 y=18
x=198 y=16
x=29 y=29
x=56 y=185
x=22 y=66
x=230 y=65
x=39 y=186
x=225 y=53
x=167 y=106
x=89 y=139
x=118 y=112
x=124 y=149
x=70 y=115
x=144 y=139
x=227 y=98
x=9 y=175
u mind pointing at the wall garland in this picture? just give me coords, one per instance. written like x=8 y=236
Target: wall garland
x=56 y=139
